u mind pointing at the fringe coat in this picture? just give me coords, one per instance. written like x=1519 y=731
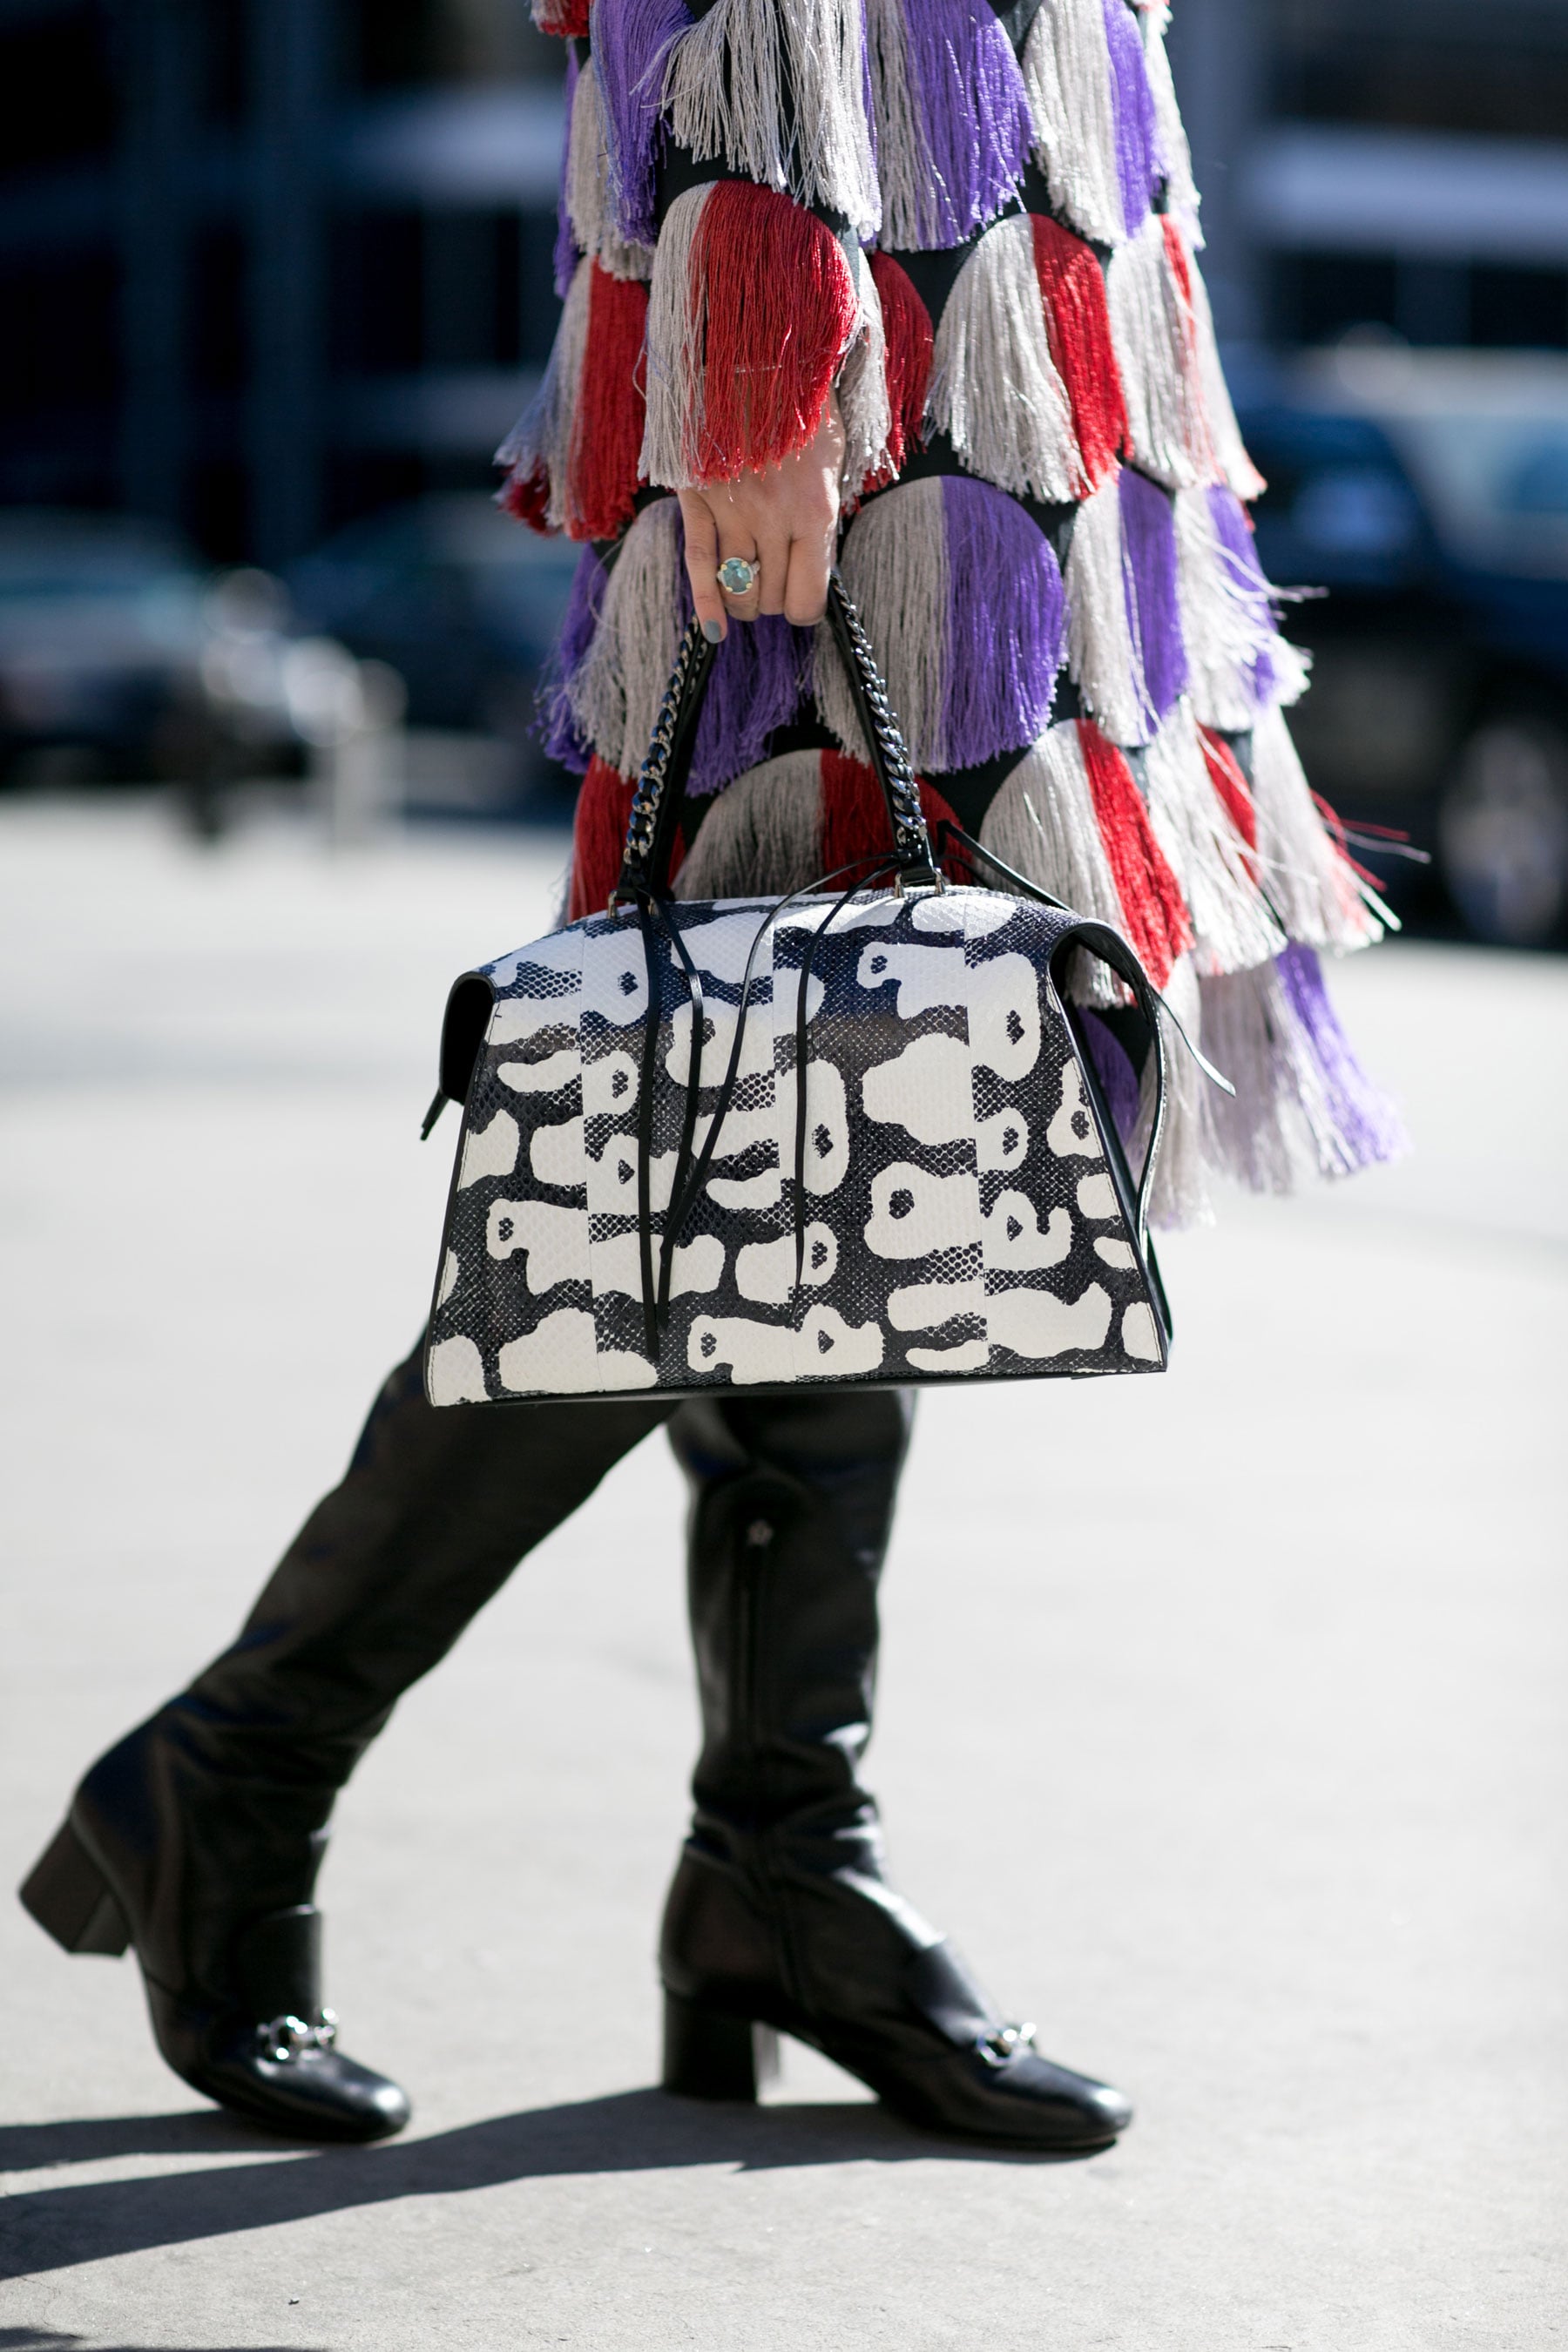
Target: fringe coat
x=977 y=223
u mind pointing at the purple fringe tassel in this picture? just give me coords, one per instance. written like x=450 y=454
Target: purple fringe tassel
x=1113 y=1068
x=1369 y=1129
x=1153 y=613
x=631 y=40
x=969 y=99
x=1133 y=102
x=1004 y=627
x=566 y=254
x=761 y=678
x=1235 y=535
x=559 y=729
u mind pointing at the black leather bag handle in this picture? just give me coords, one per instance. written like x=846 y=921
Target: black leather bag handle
x=661 y=785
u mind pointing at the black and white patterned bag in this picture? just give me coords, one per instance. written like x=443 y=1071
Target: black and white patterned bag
x=647 y=1201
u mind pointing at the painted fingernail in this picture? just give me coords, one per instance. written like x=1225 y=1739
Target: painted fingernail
x=714 y=632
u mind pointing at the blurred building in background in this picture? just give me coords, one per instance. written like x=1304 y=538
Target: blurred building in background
x=266 y=265
x=276 y=278
x=1393 y=164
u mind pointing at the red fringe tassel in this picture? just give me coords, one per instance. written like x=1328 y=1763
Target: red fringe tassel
x=1230 y=784
x=567 y=18
x=1077 y=328
x=608 y=428
x=526 y=497
x=771 y=284
x=1155 y=914
x=910 y=343
x=855 y=817
x=599 y=838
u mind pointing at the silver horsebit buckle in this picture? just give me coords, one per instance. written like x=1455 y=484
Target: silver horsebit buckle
x=286 y=2036
x=1004 y=2042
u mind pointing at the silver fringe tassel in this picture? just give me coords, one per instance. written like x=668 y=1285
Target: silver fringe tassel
x=1189 y=1150
x=894 y=561
x=1321 y=901
x=1165 y=422
x=723 y=97
x=1233 y=925
x=1043 y=822
x=615 y=694
x=994 y=389
x=542 y=434
x=1227 y=623
x=1102 y=655
x=588 y=201
x=863 y=402
x=1067 y=75
x=762 y=835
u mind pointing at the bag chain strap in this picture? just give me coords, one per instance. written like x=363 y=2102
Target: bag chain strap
x=651 y=819
x=912 y=841
x=646 y=800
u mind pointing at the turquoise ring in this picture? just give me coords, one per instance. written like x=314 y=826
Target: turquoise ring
x=736 y=576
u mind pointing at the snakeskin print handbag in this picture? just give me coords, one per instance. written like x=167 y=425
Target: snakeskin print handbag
x=846 y=1135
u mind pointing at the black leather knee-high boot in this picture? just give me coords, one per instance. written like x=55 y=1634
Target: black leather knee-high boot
x=779 y=1916
x=199 y=1836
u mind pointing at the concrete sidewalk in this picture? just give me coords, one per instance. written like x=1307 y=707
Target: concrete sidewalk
x=1222 y=1714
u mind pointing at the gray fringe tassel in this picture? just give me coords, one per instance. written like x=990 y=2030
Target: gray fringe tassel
x=542 y=434
x=1165 y=424
x=1224 y=433
x=1043 y=822
x=1176 y=155
x=762 y=836
x=1321 y=901
x=894 y=562
x=994 y=389
x=615 y=694
x=1103 y=659
x=1281 y=1130
x=1067 y=75
x=1233 y=925
x=589 y=204
x=1189 y=1147
x=723 y=97
x=1227 y=624
x=863 y=393
x=671 y=431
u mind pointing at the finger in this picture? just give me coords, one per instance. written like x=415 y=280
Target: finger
x=702 y=563
x=772 y=550
x=736 y=537
x=805 y=588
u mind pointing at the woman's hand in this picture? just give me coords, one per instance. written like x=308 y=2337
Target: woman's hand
x=783 y=520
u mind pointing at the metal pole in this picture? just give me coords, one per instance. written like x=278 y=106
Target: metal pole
x=290 y=42
x=159 y=55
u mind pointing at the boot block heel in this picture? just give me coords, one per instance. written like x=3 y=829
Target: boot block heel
x=69 y=1896
x=710 y=2055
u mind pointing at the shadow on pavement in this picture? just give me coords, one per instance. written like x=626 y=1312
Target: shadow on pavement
x=630 y=2131
x=44 y=2339
x=199 y=2131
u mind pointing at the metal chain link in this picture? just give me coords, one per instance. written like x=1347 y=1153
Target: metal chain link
x=910 y=838
x=908 y=818
x=654 y=774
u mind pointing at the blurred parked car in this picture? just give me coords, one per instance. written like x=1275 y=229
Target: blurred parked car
x=120 y=659
x=463 y=602
x=1428 y=492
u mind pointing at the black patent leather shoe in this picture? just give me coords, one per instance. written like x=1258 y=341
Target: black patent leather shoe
x=234 y=1993
x=842 y=1964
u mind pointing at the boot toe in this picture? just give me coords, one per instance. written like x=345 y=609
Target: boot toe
x=1065 y=2108
x=314 y=2094
x=1028 y=2102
